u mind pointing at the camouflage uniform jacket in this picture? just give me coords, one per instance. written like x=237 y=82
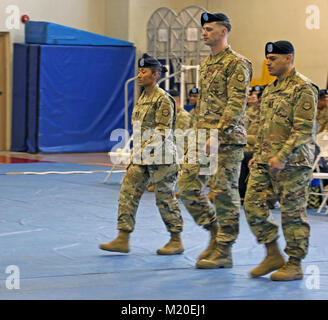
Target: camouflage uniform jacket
x=184 y=119
x=224 y=82
x=192 y=111
x=184 y=122
x=252 y=118
x=322 y=120
x=156 y=112
x=287 y=114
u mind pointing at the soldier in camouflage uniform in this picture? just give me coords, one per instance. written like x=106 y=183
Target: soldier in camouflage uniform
x=282 y=162
x=224 y=85
x=183 y=122
x=155 y=110
x=193 y=99
x=252 y=115
x=251 y=121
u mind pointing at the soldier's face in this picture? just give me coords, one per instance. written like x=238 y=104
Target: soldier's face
x=193 y=98
x=146 y=77
x=278 y=63
x=213 y=33
x=252 y=98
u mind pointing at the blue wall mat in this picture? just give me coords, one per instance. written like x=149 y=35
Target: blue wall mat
x=19 y=96
x=51 y=33
x=82 y=96
x=32 y=98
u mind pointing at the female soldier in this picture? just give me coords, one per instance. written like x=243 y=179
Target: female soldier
x=153 y=119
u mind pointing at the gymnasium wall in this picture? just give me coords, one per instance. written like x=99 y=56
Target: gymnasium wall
x=254 y=22
x=88 y=15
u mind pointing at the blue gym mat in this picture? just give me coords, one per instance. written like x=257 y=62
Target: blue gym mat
x=51 y=226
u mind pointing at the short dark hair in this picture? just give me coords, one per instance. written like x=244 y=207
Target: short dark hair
x=225 y=24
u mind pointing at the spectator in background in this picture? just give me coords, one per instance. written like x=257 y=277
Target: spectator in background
x=252 y=119
x=193 y=99
x=322 y=112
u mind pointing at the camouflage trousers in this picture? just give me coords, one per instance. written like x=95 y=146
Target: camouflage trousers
x=133 y=186
x=291 y=185
x=226 y=208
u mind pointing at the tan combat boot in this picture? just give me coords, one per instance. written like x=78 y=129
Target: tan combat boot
x=120 y=244
x=292 y=270
x=206 y=253
x=174 y=246
x=272 y=261
x=219 y=258
x=150 y=187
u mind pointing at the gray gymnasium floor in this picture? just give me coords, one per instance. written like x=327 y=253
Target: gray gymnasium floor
x=51 y=225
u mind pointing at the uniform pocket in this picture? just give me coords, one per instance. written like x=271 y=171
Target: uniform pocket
x=293 y=233
x=301 y=233
x=281 y=112
x=219 y=85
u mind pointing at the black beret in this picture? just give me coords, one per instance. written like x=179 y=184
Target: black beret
x=279 y=47
x=147 y=61
x=211 y=17
x=258 y=89
x=173 y=93
x=193 y=91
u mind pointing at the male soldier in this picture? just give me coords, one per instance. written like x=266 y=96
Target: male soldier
x=322 y=112
x=282 y=162
x=224 y=84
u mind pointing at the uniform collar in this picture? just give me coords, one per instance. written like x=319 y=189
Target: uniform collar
x=279 y=85
x=152 y=92
x=217 y=57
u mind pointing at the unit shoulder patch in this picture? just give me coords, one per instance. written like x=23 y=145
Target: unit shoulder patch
x=240 y=77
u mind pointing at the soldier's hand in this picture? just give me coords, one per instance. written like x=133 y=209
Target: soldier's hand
x=250 y=163
x=276 y=163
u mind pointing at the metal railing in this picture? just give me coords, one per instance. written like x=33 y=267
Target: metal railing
x=184 y=68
